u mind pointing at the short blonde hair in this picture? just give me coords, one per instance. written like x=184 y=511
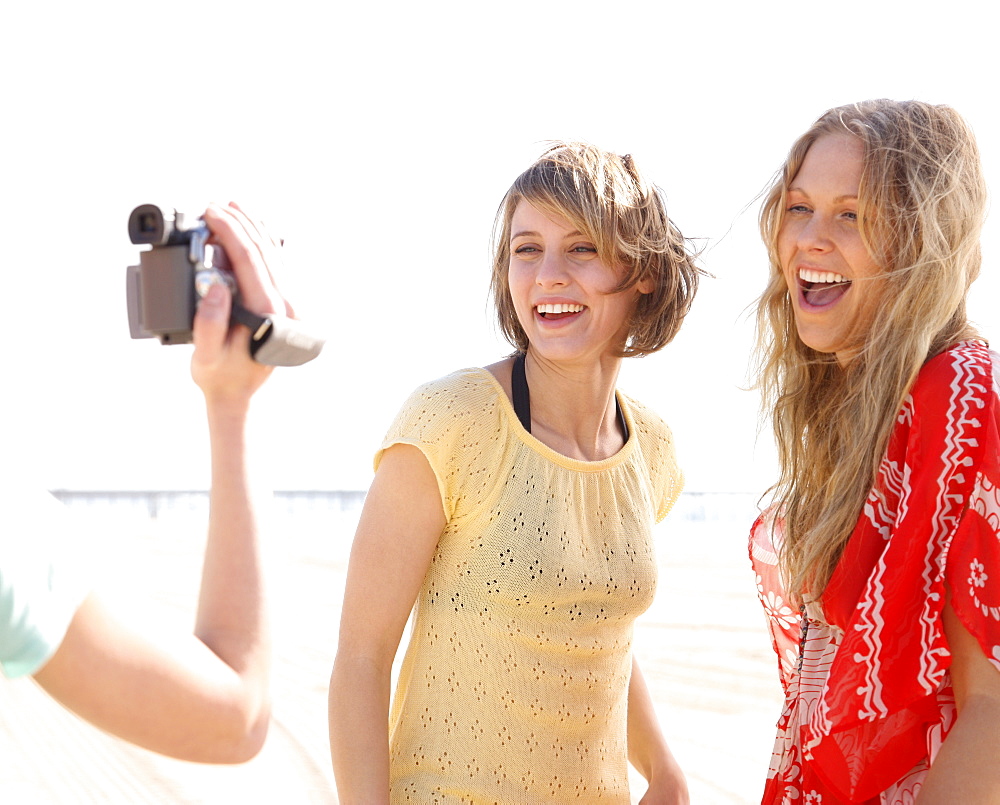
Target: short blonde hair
x=607 y=198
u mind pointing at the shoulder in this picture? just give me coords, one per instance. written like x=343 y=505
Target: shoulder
x=655 y=450
x=968 y=365
x=648 y=425
x=452 y=397
x=949 y=420
x=464 y=388
x=459 y=424
x=443 y=414
x=954 y=385
x=42 y=579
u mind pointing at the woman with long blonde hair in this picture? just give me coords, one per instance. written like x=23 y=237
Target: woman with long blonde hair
x=878 y=563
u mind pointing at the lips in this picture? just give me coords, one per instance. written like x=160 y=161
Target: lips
x=822 y=288
x=557 y=311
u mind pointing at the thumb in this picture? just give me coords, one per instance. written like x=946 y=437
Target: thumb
x=211 y=323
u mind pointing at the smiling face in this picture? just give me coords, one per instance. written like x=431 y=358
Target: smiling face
x=831 y=276
x=563 y=292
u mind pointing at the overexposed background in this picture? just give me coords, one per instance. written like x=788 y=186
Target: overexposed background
x=378 y=139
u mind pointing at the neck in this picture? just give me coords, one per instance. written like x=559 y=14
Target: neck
x=573 y=408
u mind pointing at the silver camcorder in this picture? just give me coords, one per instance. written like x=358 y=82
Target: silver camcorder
x=177 y=270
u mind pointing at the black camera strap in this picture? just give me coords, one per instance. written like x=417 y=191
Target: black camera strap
x=258 y=325
x=277 y=340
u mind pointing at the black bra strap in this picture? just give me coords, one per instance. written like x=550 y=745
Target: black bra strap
x=519 y=390
x=621 y=418
x=522 y=401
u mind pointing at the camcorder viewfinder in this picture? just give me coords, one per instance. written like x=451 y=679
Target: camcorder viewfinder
x=177 y=270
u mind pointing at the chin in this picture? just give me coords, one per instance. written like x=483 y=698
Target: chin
x=820 y=345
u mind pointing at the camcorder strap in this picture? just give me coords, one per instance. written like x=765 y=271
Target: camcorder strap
x=278 y=340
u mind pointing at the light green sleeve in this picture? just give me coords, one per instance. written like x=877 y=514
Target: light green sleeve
x=40 y=588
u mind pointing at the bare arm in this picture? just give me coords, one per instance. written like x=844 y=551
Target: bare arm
x=647 y=748
x=398 y=531
x=202 y=697
x=967 y=769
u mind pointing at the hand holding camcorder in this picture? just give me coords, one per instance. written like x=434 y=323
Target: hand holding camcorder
x=163 y=291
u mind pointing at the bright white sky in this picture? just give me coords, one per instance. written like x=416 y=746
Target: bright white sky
x=380 y=138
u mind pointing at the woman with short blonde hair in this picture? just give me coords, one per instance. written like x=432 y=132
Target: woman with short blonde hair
x=512 y=513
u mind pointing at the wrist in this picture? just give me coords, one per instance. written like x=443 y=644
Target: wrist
x=664 y=773
x=227 y=412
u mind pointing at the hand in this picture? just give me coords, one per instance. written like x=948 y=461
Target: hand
x=221 y=365
x=667 y=784
x=667 y=790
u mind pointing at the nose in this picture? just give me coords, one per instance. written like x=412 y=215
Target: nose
x=553 y=270
x=814 y=235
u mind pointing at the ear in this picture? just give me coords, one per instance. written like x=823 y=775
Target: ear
x=645 y=286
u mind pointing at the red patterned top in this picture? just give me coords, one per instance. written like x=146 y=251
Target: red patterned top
x=868 y=698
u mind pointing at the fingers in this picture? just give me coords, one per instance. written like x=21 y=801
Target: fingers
x=252 y=254
x=258 y=225
x=270 y=249
x=221 y=365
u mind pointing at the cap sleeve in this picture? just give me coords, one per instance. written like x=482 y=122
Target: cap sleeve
x=453 y=421
x=973 y=558
x=657 y=444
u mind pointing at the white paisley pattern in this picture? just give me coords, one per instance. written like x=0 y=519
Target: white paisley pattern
x=868 y=698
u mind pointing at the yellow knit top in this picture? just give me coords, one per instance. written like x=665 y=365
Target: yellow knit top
x=514 y=686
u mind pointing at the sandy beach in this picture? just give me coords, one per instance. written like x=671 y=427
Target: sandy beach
x=703 y=649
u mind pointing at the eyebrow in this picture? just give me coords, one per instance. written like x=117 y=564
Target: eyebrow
x=531 y=234
x=837 y=200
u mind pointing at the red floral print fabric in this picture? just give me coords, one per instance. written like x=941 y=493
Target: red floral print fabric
x=868 y=698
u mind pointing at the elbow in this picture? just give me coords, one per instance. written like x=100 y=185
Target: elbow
x=240 y=709
x=238 y=736
x=246 y=745
x=248 y=732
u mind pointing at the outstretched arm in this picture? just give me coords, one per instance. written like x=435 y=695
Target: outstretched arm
x=201 y=697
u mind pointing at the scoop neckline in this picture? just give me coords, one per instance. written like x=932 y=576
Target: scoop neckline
x=555 y=456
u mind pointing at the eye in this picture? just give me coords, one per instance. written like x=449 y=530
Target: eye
x=799 y=208
x=584 y=248
x=527 y=248
x=851 y=215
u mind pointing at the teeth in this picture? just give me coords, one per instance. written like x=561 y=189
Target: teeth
x=561 y=308
x=812 y=275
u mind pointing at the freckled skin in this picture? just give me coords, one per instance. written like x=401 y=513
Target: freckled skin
x=553 y=262
x=820 y=231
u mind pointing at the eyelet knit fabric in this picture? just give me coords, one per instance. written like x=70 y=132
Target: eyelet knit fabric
x=514 y=686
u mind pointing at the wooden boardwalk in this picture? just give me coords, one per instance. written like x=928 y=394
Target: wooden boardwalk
x=702 y=646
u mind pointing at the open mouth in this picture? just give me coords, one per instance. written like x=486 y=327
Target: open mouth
x=822 y=288
x=558 y=311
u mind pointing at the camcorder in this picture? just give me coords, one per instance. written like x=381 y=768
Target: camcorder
x=177 y=270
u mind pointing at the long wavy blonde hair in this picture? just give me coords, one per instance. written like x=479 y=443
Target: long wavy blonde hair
x=922 y=203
